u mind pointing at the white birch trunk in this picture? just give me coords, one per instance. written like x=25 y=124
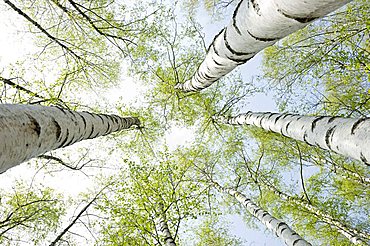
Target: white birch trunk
x=163 y=227
x=353 y=235
x=27 y=131
x=281 y=229
x=351 y=175
x=345 y=136
x=256 y=24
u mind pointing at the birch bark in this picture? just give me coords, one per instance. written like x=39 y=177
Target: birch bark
x=256 y=24
x=281 y=230
x=345 y=136
x=27 y=131
x=163 y=227
x=353 y=235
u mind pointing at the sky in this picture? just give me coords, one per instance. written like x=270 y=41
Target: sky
x=13 y=41
x=16 y=43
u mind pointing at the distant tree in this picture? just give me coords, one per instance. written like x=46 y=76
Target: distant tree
x=80 y=44
x=149 y=202
x=163 y=226
x=279 y=228
x=352 y=234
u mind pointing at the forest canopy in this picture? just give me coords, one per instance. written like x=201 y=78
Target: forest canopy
x=184 y=123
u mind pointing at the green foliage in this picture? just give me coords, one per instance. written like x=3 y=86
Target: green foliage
x=133 y=209
x=158 y=46
x=29 y=214
x=328 y=62
x=81 y=45
x=209 y=233
x=215 y=7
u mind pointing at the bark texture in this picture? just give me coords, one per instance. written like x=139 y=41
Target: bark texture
x=353 y=235
x=345 y=136
x=163 y=227
x=281 y=230
x=256 y=24
x=27 y=131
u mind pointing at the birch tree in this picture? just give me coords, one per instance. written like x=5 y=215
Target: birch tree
x=279 y=228
x=351 y=234
x=345 y=136
x=331 y=58
x=336 y=204
x=255 y=25
x=275 y=148
x=152 y=203
x=27 y=131
x=163 y=226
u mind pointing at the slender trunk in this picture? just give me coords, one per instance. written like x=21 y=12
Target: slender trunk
x=282 y=230
x=256 y=24
x=351 y=175
x=353 y=235
x=163 y=227
x=345 y=136
x=342 y=171
x=28 y=131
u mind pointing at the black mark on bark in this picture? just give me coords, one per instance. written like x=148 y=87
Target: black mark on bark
x=330 y=120
x=329 y=136
x=214 y=40
x=34 y=125
x=217 y=63
x=305 y=138
x=362 y=157
x=256 y=7
x=61 y=109
x=234 y=18
x=313 y=124
x=277 y=118
x=92 y=131
x=84 y=121
x=357 y=123
x=262 y=39
x=296 y=241
x=58 y=129
x=305 y=19
x=65 y=139
x=287 y=126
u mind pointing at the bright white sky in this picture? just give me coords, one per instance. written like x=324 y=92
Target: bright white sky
x=15 y=43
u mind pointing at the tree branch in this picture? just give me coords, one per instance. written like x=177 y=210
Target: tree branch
x=38 y=26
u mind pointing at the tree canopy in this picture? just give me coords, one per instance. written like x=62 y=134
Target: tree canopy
x=155 y=184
